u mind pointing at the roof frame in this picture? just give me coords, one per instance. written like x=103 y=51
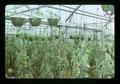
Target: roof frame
x=79 y=13
x=84 y=11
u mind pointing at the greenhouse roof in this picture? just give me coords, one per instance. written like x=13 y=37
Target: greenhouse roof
x=90 y=15
x=25 y=9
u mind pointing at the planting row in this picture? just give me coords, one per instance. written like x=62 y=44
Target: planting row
x=58 y=59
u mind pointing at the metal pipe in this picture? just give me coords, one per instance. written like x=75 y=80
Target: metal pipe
x=78 y=13
x=72 y=13
x=79 y=27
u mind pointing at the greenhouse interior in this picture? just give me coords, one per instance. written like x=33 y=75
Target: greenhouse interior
x=59 y=41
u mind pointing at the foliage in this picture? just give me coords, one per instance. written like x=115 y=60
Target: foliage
x=107 y=8
x=38 y=58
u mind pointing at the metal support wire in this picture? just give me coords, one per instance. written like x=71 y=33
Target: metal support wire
x=79 y=13
x=72 y=13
